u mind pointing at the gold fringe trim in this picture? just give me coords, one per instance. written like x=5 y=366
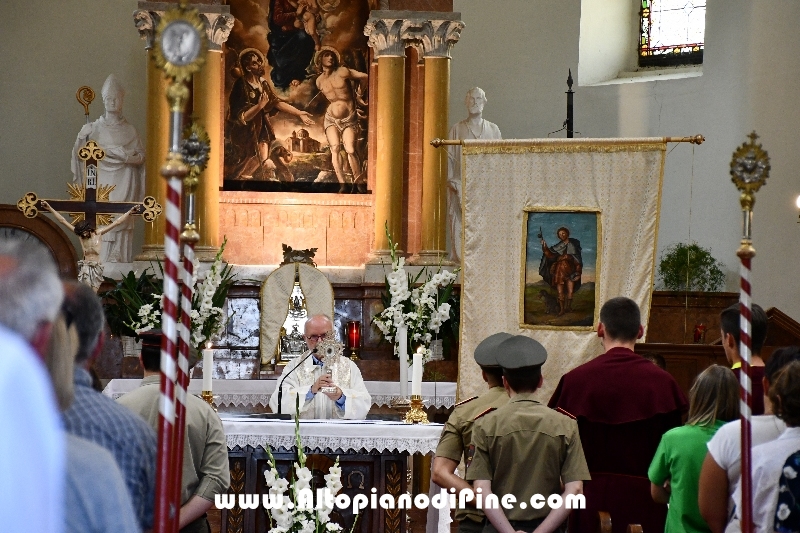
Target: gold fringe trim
x=566 y=148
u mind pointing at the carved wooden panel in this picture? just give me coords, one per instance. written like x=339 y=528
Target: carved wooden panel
x=360 y=473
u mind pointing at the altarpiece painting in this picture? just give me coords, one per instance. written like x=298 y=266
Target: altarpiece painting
x=560 y=266
x=296 y=94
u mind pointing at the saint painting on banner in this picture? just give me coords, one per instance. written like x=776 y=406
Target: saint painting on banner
x=560 y=268
x=296 y=96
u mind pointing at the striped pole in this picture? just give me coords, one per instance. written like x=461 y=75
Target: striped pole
x=169 y=472
x=749 y=171
x=745 y=308
x=184 y=341
x=179 y=27
x=166 y=510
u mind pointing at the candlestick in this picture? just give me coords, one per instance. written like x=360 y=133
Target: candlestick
x=353 y=330
x=402 y=342
x=208 y=368
x=416 y=375
x=416 y=414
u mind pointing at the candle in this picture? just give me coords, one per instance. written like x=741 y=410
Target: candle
x=416 y=375
x=402 y=342
x=208 y=368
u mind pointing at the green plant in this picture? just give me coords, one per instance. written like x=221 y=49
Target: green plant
x=123 y=303
x=690 y=267
x=134 y=305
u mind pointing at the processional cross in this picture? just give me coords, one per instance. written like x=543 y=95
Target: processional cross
x=90 y=201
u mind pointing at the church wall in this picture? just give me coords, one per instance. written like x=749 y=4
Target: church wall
x=520 y=55
x=518 y=51
x=50 y=49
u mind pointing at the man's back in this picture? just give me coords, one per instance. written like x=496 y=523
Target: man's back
x=127 y=436
x=623 y=404
x=524 y=433
x=97 y=498
x=205 y=452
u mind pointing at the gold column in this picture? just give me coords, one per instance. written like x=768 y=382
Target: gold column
x=436 y=38
x=157 y=136
x=207 y=108
x=383 y=29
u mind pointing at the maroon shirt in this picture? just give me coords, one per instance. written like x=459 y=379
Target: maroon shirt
x=757 y=387
x=623 y=404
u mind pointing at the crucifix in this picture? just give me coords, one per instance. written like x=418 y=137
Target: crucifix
x=90 y=208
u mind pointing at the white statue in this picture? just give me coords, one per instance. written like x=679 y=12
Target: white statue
x=122 y=166
x=472 y=127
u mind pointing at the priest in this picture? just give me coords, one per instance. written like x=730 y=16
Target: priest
x=623 y=404
x=328 y=384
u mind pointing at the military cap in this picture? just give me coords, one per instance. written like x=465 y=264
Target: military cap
x=520 y=351
x=485 y=352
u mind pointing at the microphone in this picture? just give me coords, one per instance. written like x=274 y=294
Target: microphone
x=280 y=385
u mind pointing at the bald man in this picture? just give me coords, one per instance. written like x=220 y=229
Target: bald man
x=328 y=386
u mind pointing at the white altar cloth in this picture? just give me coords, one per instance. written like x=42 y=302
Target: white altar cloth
x=253 y=392
x=345 y=436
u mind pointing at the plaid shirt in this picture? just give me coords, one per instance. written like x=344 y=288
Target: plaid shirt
x=127 y=436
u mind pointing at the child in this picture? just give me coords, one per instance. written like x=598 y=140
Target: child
x=675 y=470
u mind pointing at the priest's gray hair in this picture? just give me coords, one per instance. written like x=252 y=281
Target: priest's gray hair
x=83 y=308
x=30 y=289
x=316 y=318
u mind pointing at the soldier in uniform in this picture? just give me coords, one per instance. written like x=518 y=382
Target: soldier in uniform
x=457 y=433
x=525 y=449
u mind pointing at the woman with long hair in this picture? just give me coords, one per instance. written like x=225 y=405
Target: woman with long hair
x=675 y=470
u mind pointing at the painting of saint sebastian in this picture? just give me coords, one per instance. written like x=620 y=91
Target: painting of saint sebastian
x=561 y=267
x=252 y=102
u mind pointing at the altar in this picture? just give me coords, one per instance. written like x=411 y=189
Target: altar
x=253 y=394
x=371 y=454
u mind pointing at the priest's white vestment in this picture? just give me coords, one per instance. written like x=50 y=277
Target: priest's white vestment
x=344 y=373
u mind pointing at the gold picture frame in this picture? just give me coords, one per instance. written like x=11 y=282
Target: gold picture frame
x=559 y=288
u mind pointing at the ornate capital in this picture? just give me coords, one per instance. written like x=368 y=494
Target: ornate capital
x=436 y=37
x=218 y=28
x=146 y=23
x=385 y=34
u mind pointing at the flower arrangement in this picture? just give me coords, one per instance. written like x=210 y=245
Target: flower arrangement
x=424 y=309
x=296 y=512
x=134 y=305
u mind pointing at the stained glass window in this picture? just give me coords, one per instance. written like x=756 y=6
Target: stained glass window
x=672 y=32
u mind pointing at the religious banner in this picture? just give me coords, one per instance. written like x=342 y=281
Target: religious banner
x=296 y=96
x=552 y=228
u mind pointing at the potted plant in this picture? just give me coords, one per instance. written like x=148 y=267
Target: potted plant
x=690 y=267
x=134 y=305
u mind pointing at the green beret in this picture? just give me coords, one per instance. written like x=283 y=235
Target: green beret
x=486 y=351
x=519 y=352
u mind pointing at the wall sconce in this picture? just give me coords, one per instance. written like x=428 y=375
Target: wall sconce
x=353 y=333
x=797 y=203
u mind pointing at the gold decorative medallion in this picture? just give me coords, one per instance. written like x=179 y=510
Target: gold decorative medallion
x=749 y=170
x=180 y=43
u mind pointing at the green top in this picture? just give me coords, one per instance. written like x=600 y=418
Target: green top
x=679 y=458
x=525 y=448
x=457 y=435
